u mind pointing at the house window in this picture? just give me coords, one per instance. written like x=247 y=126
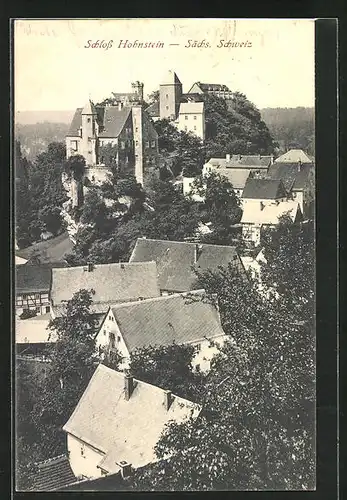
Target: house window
x=82 y=451
x=93 y=177
x=88 y=120
x=186 y=128
x=167 y=107
x=122 y=144
x=37 y=309
x=73 y=145
x=104 y=332
x=118 y=338
x=194 y=117
x=89 y=139
x=112 y=339
x=153 y=144
x=48 y=309
x=136 y=143
x=186 y=117
x=110 y=317
x=37 y=296
x=167 y=96
x=194 y=127
x=198 y=347
x=147 y=144
x=197 y=368
x=136 y=129
x=25 y=296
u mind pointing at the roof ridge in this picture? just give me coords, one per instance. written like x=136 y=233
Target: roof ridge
x=49 y=460
x=185 y=243
x=106 y=264
x=158 y=299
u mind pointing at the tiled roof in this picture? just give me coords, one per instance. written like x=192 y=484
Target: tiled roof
x=32 y=279
x=191 y=97
x=124 y=95
x=124 y=430
x=175 y=260
x=53 y=474
x=33 y=330
x=191 y=108
x=294 y=155
x=170 y=78
x=50 y=251
x=264 y=189
x=111 y=282
x=153 y=109
x=75 y=124
x=254 y=214
x=240 y=161
x=293 y=175
x=216 y=87
x=162 y=321
x=236 y=176
x=114 y=120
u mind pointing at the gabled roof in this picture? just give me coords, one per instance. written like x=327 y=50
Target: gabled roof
x=34 y=330
x=293 y=175
x=175 y=260
x=294 y=155
x=153 y=109
x=216 y=87
x=52 y=474
x=50 y=251
x=124 y=430
x=264 y=189
x=176 y=318
x=193 y=96
x=170 y=78
x=253 y=213
x=187 y=108
x=30 y=279
x=236 y=176
x=112 y=283
x=241 y=161
x=114 y=120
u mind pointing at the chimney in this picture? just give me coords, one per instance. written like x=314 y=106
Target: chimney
x=262 y=205
x=89 y=267
x=125 y=469
x=299 y=165
x=168 y=398
x=227 y=157
x=120 y=106
x=197 y=252
x=122 y=266
x=128 y=386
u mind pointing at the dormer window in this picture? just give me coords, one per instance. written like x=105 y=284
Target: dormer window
x=88 y=120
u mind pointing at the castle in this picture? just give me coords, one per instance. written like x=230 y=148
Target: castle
x=120 y=134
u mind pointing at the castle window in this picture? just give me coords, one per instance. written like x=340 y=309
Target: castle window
x=136 y=129
x=167 y=96
x=194 y=117
x=136 y=143
x=167 y=107
x=186 y=117
x=194 y=127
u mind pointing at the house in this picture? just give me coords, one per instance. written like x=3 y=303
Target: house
x=52 y=474
x=263 y=191
x=191 y=118
x=259 y=215
x=117 y=423
x=298 y=180
x=179 y=318
x=178 y=261
x=49 y=253
x=112 y=283
x=123 y=135
x=294 y=156
x=211 y=89
x=32 y=289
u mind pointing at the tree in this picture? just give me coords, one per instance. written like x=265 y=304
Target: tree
x=289 y=250
x=235 y=126
x=220 y=206
x=256 y=430
x=168 y=367
x=153 y=96
x=75 y=167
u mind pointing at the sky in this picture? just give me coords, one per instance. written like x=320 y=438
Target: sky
x=56 y=69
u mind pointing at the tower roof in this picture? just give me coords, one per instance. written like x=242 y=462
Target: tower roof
x=170 y=78
x=89 y=108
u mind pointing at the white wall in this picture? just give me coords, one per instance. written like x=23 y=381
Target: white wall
x=86 y=464
x=251 y=232
x=187 y=182
x=207 y=352
x=109 y=325
x=299 y=197
x=97 y=175
x=194 y=125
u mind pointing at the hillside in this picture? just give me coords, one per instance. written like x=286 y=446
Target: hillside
x=33 y=117
x=34 y=138
x=291 y=127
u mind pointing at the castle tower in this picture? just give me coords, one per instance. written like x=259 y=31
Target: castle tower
x=138 y=141
x=88 y=142
x=170 y=93
x=138 y=90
